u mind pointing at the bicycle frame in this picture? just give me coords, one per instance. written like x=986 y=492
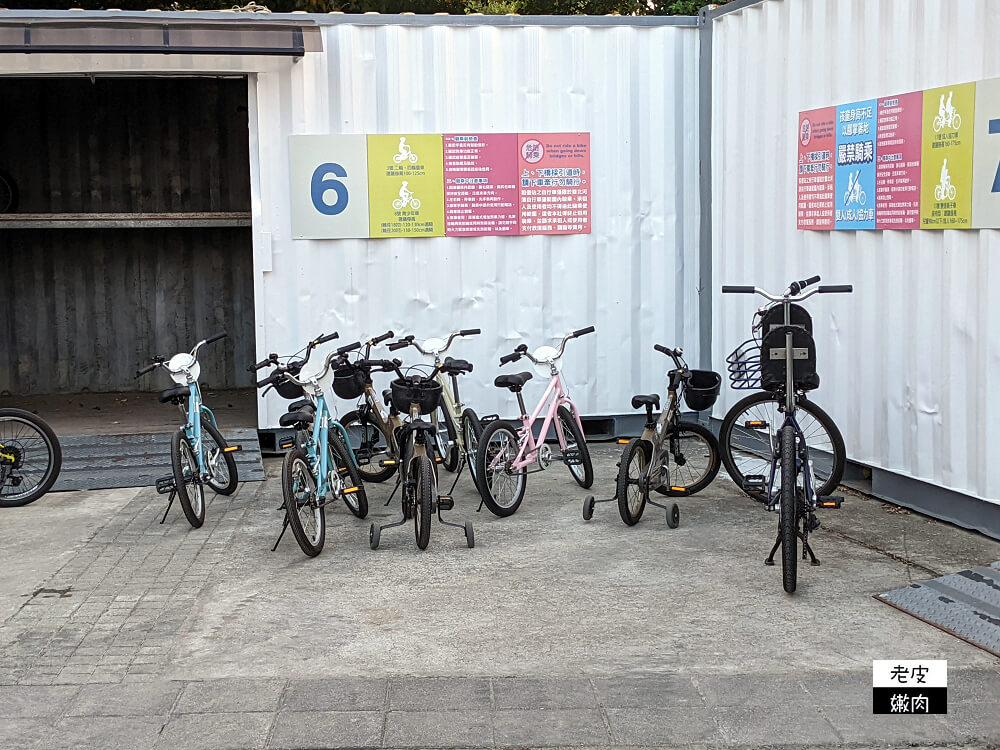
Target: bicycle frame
x=554 y=394
x=317 y=447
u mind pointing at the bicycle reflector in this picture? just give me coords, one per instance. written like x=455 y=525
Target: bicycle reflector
x=678 y=489
x=755 y=423
x=232 y=449
x=349 y=490
x=624 y=441
x=287 y=442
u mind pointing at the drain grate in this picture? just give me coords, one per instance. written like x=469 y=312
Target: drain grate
x=965 y=604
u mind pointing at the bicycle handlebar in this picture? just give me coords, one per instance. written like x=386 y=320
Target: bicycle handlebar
x=729 y=289
x=677 y=355
x=398 y=345
x=797 y=286
x=582 y=332
x=216 y=337
x=522 y=350
x=836 y=288
x=470 y=332
x=380 y=339
x=144 y=370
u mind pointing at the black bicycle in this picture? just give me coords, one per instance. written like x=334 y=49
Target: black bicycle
x=30 y=457
x=778 y=446
x=691 y=448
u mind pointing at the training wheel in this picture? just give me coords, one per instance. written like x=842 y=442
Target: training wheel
x=373 y=536
x=673 y=516
x=588 y=508
x=470 y=536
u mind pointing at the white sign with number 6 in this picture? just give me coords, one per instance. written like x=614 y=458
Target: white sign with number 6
x=329 y=186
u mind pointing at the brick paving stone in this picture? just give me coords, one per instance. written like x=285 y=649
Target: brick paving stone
x=220 y=731
x=319 y=730
x=230 y=695
x=464 y=728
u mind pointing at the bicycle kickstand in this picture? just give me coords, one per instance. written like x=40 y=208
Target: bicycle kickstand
x=770 y=557
x=393 y=493
x=458 y=474
x=284 y=526
x=170 y=502
x=807 y=549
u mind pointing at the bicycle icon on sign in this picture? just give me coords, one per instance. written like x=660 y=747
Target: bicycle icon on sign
x=405 y=153
x=854 y=192
x=945 y=189
x=405 y=198
x=947 y=116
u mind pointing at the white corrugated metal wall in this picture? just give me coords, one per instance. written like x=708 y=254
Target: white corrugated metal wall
x=633 y=87
x=909 y=362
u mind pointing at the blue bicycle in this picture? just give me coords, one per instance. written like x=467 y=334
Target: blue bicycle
x=319 y=467
x=199 y=455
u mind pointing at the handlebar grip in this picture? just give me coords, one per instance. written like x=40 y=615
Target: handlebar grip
x=216 y=337
x=270 y=379
x=349 y=348
x=263 y=363
x=383 y=337
x=833 y=288
x=509 y=358
x=144 y=370
x=398 y=345
x=583 y=331
x=729 y=289
x=470 y=332
x=662 y=349
x=328 y=337
x=809 y=282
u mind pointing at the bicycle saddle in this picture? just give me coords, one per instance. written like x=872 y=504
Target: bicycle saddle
x=514 y=382
x=387 y=396
x=456 y=366
x=302 y=403
x=175 y=394
x=295 y=417
x=640 y=400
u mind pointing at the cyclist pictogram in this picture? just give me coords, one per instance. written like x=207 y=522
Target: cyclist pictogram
x=947 y=116
x=405 y=153
x=405 y=198
x=944 y=190
x=854 y=192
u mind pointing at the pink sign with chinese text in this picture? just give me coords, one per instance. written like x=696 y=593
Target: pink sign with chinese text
x=817 y=138
x=897 y=172
x=554 y=182
x=480 y=184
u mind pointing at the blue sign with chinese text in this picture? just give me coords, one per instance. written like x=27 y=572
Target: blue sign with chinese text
x=854 y=188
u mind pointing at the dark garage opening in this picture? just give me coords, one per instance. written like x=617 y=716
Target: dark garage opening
x=128 y=235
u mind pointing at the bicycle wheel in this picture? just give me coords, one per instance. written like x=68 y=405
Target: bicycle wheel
x=749 y=438
x=582 y=472
x=631 y=474
x=305 y=514
x=788 y=515
x=8 y=194
x=694 y=453
x=472 y=431
x=370 y=446
x=501 y=488
x=187 y=479
x=446 y=439
x=424 y=501
x=30 y=458
x=222 y=476
x=340 y=459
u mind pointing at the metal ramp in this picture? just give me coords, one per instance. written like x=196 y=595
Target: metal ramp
x=965 y=604
x=98 y=462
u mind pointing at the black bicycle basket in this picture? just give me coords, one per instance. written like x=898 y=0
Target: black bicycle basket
x=415 y=389
x=744 y=366
x=702 y=389
x=772 y=371
x=287 y=389
x=349 y=381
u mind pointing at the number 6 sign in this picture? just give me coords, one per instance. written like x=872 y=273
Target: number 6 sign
x=329 y=186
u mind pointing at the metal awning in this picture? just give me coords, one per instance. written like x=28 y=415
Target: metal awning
x=160 y=36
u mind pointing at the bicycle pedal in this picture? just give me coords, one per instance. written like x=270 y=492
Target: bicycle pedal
x=755 y=424
x=387 y=462
x=445 y=502
x=232 y=449
x=286 y=443
x=572 y=458
x=754 y=483
x=829 y=501
x=165 y=484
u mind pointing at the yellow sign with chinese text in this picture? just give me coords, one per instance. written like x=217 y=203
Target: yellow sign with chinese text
x=406 y=185
x=946 y=157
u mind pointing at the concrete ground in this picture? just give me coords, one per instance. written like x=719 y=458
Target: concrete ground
x=119 y=632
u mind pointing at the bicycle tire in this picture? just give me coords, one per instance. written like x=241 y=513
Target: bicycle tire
x=53 y=458
x=690 y=481
x=232 y=478
x=631 y=494
x=356 y=502
x=368 y=437
x=492 y=479
x=297 y=480
x=193 y=511
x=450 y=457
x=583 y=473
x=424 y=502
x=8 y=194
x=757 y=450
x=788 y=517
x=472 y=431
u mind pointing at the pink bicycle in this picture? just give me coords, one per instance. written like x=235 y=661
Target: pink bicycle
x=506 y=450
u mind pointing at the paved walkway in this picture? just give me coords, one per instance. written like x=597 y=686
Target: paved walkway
x=119 y=632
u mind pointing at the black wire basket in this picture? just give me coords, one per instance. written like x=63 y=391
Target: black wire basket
x=349 y=381
x=702 y=389
x=744 y=366
x=415 y=389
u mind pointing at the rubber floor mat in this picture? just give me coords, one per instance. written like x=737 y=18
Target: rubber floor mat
x=965 y=604
x=98 y=462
